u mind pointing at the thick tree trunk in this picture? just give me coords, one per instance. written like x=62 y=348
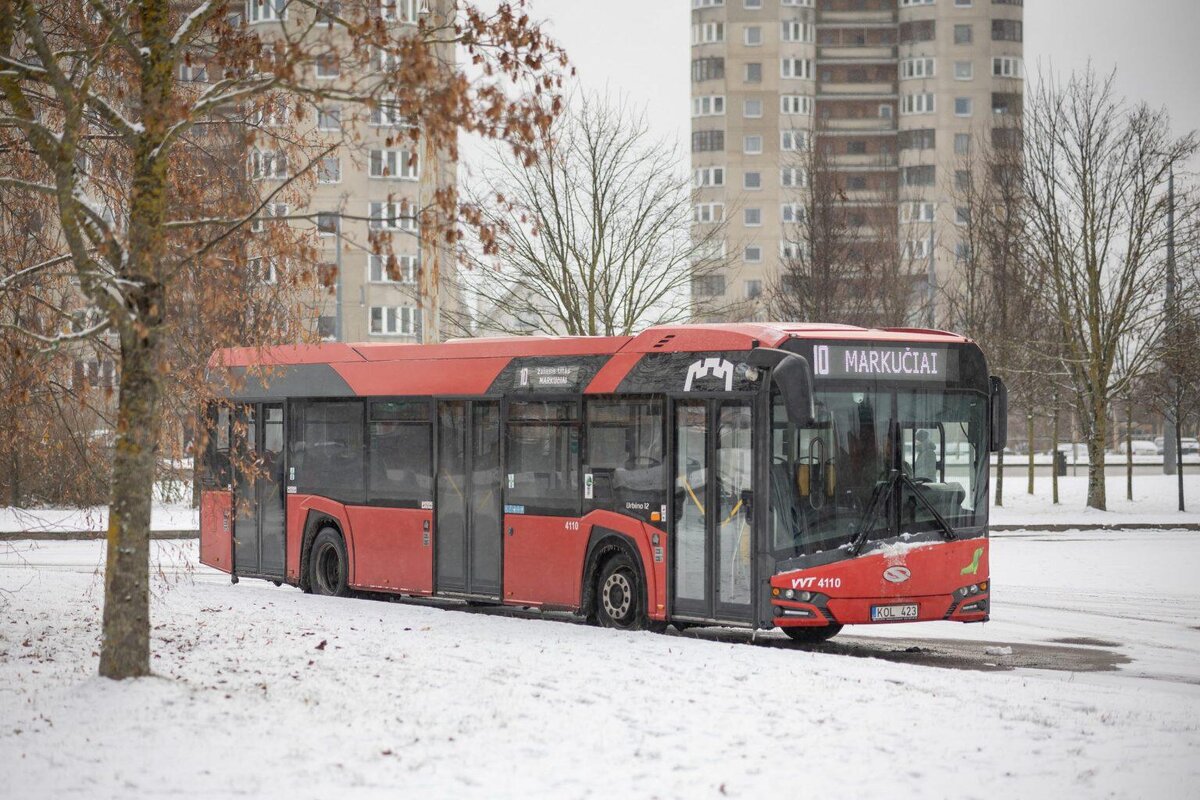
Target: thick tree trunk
x=125 y=649
x=1097 y=441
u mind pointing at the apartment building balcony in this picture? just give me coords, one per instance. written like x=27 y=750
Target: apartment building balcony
x=863 y=54
x=868 y=162
x=856 y=18
x=858 y=124
x=861 y=91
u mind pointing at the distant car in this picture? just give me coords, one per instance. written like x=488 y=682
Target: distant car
x=1189 y=445
x=1158 y=445
x=1141 y=447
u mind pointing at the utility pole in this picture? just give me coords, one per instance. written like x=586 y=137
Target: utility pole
x=1169 y=426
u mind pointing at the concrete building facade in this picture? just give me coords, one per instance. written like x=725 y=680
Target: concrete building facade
x=892 y=93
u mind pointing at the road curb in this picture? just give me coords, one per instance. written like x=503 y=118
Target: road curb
x=1115 y=526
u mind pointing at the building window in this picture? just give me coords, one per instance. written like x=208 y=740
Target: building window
x=920 y=139
x=962 y=216
x=752 y=145
x=329 y=170
x=791 y=141
x=1007 y=67
x=752 y=217
x=1006 y=103
x=753 y=35
x=270 y=210
x=266 y=10
x=797 y=32
x=394 y=320
x=907 y=3
x=329 y=118
x=792 y=213
x=922 y=103
x=752 y=180
x=918 y=31
x=382 y=268
x=795 y=104
x=707 y=69
x=911 y=68
x=391 y=216
x=962 y=179
x=754 y=73
x=708 y=285
x=327 y=327
x=706 y=177
x=796 y=68
x=708 y=141
x=753 y=289
x=752 y=254
x=752 y=4
x=1007 y=30
x=962 y=251
x=704 y=213
x=962 y=34
x=923 y=175
x=856 y=148
x=327 y=65
x=708 y=106
x=327 y=223
x=708 y=33
x=398 y=10
x=402 y=164
x=962 y=106
x=387 y=114
x=916 y=212
x=964 y=70
x=263 y=270
x=962 y=144
x=752 y=109
x=793 y=177
x=856 y=183
x=267 y=164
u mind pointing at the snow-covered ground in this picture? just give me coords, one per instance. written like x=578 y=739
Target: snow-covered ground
x=268 y=692
x=1155 y=502
x=172 y=511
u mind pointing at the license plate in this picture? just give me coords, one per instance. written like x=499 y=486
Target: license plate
x=893 y=613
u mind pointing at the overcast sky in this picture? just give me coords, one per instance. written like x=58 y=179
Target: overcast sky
x=641 y=48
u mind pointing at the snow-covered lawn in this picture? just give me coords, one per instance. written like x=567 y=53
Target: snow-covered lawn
x=268 y=692
x=1155 y=501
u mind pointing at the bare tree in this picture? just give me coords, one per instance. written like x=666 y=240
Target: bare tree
x=137 y=235
x=1094 y=177
x=846 y=257
x=595 y=237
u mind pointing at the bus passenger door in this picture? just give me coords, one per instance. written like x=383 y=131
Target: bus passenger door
x=259 y=532
x=467 y=544
x=712 y=519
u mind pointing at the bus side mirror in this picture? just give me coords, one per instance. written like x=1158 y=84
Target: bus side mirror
x=793 y=375
x=999 y=421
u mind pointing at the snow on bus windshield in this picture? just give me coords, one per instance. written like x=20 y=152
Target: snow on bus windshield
x=879 y=457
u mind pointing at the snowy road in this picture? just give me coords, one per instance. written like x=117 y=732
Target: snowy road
x=272 y=693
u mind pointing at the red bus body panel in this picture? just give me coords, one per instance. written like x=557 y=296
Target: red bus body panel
x=654 y=569
x=935 y=571
x=298 y=507
x=392 y=550
x=216 y=529
x=543 y=560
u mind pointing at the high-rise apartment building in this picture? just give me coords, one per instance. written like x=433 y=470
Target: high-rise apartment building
x=374 y=185
x=892 y=94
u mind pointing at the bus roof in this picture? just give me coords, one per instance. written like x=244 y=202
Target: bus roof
x=658 y=339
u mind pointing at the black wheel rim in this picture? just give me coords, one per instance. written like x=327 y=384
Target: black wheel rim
x=329 y=569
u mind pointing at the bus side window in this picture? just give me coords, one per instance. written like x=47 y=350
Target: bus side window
x=625 y=457
x=216 y=451
x=327 y=449
x=400 y=469
x=543 y=457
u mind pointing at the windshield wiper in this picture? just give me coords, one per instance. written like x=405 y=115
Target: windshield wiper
x=883 y=493
x=947 y=531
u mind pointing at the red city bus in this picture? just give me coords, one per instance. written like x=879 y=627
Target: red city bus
x=760 y=475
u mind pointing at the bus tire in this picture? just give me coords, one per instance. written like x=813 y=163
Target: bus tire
x=329 y=568
x=813 y=635
x=620 y=598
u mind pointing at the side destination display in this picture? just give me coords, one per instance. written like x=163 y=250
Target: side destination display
x=905 y=363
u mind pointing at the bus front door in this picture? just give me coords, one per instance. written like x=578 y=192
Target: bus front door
x=712 y=521
x=259 y=533
x=468 y=528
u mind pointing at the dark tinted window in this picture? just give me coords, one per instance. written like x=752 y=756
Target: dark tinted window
x=542 y=471
x=399 y=466
x=216 y=451
x=624 y=457
x=327 y=450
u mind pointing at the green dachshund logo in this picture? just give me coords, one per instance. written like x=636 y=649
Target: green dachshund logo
x=973 y=567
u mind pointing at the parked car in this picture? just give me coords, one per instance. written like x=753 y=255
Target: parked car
x=1189 y=445
x=1141 y=447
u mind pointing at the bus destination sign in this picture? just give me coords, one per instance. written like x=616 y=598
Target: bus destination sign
x=910 y=363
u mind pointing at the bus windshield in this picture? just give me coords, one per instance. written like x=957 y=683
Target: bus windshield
x=878 y=462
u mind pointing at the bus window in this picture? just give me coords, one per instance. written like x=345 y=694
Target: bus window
x=327 y=450
x=624 y=456
x=542 y=471
x=399 y=466
x=216 y=450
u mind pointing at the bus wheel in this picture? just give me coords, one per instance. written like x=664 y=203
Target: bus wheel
x=813 y=635
x=329 y=564
x=620 y=601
